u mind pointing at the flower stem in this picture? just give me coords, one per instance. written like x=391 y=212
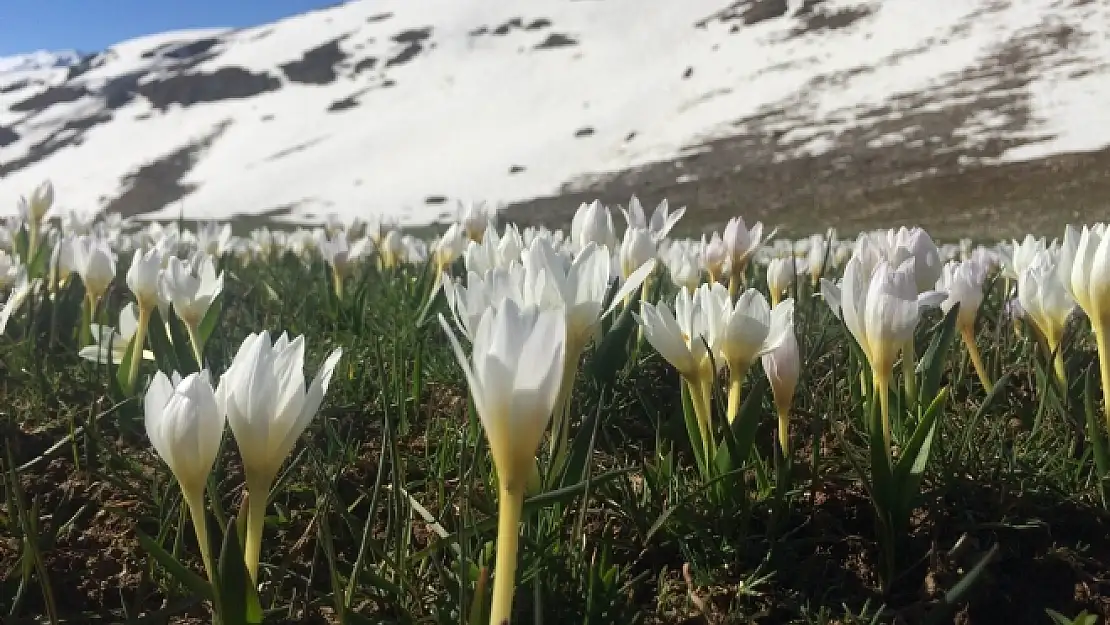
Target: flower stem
x=976 y=358
x=1103 y=362
x=259 y=491
x=137 y=348
x=736 y=381
x=784 y=431
x=194 y=340
x=200 y=528
x=509 y=507
x=85 y=334
x=882 y=389
x=909 y=371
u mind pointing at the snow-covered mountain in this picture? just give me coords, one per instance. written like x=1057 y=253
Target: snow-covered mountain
x=39 y=62
x=404 y=106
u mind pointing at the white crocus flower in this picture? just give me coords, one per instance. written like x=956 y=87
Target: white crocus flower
x=662 y=219
x=741 y=332
x=781 y=273
x=881 y=311
x=268 y=407
x=110 y=344
x=742 y=244
x=593 y=223
x=637 y=249
x=513 y=373
x=782 y=364
x=95 y=262
x=475 y=219
x=20 y=291
x=963 y=284
x=185 y=426
x=714 y=257
x=192 y=287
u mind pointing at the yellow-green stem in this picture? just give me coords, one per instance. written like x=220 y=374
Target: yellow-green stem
x=775 y=297
x=85 y=335
x=976 y=358
x=259 y=491
x=882 y=389
x=1103 y=362
x=734 y=283
x=699 y=395
x=195 y=503
x=735 y=388
x=784 y=431
x=1061 y=369
x=194 y=340
x=909 y=370
x=337 y=278
x=509 y=505
x=137 y=349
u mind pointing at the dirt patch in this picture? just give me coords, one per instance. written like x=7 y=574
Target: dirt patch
x=919 y=159
x=158 y=184
x=228 y=83
x=556 y=40
x=316 y=66
x=54 y=95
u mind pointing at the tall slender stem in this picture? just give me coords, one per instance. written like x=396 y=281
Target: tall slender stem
x=976 y=358
x=882 y=389
x=509 y=505
x=784 y=431
x=194 y=340
x=259 y=491
x=1103 y=362
x=909 y=370
x=137 y=349
x=195 y=503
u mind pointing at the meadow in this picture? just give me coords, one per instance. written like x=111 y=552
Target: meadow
x=603 y=424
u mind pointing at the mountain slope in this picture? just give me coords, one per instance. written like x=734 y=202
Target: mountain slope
x=402 y=107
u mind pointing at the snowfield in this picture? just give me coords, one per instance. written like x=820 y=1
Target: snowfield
x=402 y=107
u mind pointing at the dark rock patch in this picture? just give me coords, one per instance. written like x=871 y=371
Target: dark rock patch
x=404 y=56
x=435 y=199
x=85 y=123
x=7 y=136
x=413 y=35
x=182 y=51
x=538 y=24
x=504 y=29
x=15 y=86
x=556 y=40
x=477 y=32
x=121 y=90
x=380 y=17
x=158 y=184
x=688 y=73
x=388 y=83
x=316 y=66
x=80 y=67
x=228 y=83
x=584 y=132
x=817 y=18
x=367 y=64
x=39 y=151
x=267 y=118
x=630 y=136
x=516 y=169
x=54 y=95
x=348 y=102
x=747 y=12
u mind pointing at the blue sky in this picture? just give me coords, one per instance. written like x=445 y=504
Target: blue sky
x=92 y=25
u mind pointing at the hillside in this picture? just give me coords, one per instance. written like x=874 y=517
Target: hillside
x=976 y=114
